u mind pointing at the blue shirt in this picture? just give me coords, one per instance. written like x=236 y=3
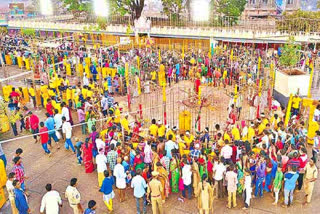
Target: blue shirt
x=261 y=170
x=106 y=187
x=93 y=69
x=290 y=181
x=50 y=124
x=178 y=69
x=21 y=201
x=139 y=186
x=89 y=211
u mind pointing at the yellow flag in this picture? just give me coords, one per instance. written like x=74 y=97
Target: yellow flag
x=139 y=86
x=164 y=93
x=182 y=54
x=199 y=96
x=259 y=63
x=231 y=55
x=126 y=73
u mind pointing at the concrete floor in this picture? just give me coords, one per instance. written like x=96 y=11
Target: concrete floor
x=62 y=166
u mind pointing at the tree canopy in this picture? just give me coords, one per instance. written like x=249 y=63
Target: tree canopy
x=132 y=7
x=290 y=53
x=229 y=7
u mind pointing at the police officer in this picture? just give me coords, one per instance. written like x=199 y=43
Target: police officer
x=155 y=189
x=74 y=197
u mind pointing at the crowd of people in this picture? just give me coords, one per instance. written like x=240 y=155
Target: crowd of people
x=241 y=157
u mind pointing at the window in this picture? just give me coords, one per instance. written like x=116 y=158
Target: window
x=265 y=1
x=252 y=1
x=289 y=1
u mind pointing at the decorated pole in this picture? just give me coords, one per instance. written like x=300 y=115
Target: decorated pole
x=164 y=99
x=310 y=80
x=287 y=118
x=259 y=94
x=127 y=83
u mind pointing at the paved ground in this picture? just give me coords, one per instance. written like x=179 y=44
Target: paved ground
x=62 y=166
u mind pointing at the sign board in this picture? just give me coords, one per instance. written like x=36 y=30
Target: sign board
x=125 y=40
x=3 y=20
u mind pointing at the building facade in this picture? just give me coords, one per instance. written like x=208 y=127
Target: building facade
x=267 y=8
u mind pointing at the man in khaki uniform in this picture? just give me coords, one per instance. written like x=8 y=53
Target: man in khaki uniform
x=311 y=175
x=74 y=197
x=155 y=189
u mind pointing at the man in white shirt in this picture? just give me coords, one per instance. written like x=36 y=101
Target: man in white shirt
x=51 y=201
x=58 y=122
x=67 y=130
x=120 y=175
x=101 y=161
x=85 y=79
x=226 y=152
x=139 y=186
x=219 y=170
x=186 y=177
x=65 y=111
x=10 y=189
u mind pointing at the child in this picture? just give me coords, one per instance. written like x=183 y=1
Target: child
x=78 y=150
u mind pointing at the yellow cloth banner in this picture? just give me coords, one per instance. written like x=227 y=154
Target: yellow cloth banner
x=27 y=61
x=68 y=69
x=80 y=69
x=20 y=62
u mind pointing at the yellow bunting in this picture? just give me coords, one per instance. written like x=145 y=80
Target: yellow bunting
x=259 y=63
x=138 y=62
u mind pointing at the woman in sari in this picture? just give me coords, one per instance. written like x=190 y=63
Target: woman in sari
x=88 y=156
x=163 y=178
x=196 y=176
x=138 y=162
x=175 y=175
x=239 y=165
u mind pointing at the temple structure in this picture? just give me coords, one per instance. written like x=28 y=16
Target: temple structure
x=267 y=8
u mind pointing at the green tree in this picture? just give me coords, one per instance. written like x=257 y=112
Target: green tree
x=305 y=21
x=229 y=7
x=76 y=7
x=132 y=7
x=172 y=8
x=290 y=53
